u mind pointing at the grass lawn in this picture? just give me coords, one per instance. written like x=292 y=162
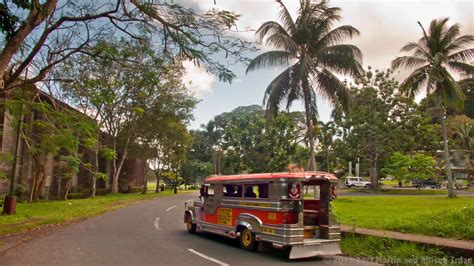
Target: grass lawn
x=435 y=216
x=400 y=191
x=389 y=251
x=56 y=212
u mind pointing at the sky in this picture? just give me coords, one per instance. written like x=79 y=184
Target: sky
x=385 y=26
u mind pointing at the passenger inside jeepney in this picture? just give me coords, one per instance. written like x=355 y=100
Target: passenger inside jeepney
x=229 y=191
x=249 y=192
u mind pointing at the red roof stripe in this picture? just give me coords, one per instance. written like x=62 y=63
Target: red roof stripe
x=296 y=175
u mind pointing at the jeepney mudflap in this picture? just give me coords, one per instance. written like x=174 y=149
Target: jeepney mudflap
x=312 y=249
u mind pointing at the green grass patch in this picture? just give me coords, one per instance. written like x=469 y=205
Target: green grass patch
x=389 y=251
x=32 y=215
x=434 y=216
x=399 y=191
x=390 y=182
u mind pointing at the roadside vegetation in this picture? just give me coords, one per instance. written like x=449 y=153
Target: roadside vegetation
x=43 y=213
x=433 y=216
x=399 y=191
x=387 y=250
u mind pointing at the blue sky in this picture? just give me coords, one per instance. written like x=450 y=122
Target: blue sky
x=385 y=27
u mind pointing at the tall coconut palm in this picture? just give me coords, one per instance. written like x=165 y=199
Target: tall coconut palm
x=310 y=47
x=438 y=51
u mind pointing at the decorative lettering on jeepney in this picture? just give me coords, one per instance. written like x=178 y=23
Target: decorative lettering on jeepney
x=224 y=216
x=272 y=216
x=268 y=230
x=254 y=204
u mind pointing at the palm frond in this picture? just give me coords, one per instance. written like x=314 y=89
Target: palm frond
x=412 y=85
x=339 y=34
x=462 y=67
x=343 y=58
x=449 y=35
x=416 y=49
x=332 y=88
x=451 y=91
x=269 y=28
x=460 y=43
x=283 y=42
x=286 y=18
x=408 y=62
x=464 y=55
x=279 y=89
x=270 y=58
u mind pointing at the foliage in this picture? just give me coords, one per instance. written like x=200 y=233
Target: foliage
x=49 y=128
x=194 y=171
x=54 y=31
x=244 y=141
x=144 y=87
x=440 y=50
x=381 y=121
x=408 y=167
x=312 y=48
x=387 y=250
x=427 y=215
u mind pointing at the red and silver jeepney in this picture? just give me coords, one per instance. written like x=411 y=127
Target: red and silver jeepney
x=270 y=208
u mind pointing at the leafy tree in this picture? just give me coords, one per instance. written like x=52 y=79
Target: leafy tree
x=39 y=35
x=122 y=95
x=311 y=46
x=439 y=49
x=250 y=143
x=409 y=167
x=51 y=131
x=380 y=122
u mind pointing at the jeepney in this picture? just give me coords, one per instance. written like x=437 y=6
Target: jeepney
x=269 y=207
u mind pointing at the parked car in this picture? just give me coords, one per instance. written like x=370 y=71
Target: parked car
x=426 y=183
x=356 y=181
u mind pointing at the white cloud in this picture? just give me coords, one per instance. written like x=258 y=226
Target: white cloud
x=200 y=82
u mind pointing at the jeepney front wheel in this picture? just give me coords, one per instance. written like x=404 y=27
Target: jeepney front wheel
x=247 y=240
x=189 y=224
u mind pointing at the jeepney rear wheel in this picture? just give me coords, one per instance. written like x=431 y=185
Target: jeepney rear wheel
x=247 y=240
x=189 y=224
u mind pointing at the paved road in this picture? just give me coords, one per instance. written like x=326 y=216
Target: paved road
x=151 y=232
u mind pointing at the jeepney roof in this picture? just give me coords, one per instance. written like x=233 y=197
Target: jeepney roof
x=299 y=176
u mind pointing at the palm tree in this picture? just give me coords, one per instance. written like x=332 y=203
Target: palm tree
x=325 y=133
x=437 y=51
x=312 y=51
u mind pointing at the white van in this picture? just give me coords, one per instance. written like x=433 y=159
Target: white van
x=356 y=181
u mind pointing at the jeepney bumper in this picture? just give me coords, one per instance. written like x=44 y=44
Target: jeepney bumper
x=315 y=248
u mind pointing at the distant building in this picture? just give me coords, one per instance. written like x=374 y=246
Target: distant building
x=133 y=173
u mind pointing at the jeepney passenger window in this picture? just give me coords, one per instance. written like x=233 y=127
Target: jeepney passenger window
x=234 y=191
x=263 y=191
x=259 y=191
x=210 y=190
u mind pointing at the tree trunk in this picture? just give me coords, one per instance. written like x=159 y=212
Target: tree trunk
x=145 y=185
x=96 y=168
x=114 y=166
x=66 y=189
x=447 y=158
x=33 y=185
x=119 y=168
x=309 y=124
x=327 y=160
x=157 y=174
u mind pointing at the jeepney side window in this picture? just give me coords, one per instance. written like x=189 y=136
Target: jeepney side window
x=257 y=191
x=210 y=190
x=232 y=190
